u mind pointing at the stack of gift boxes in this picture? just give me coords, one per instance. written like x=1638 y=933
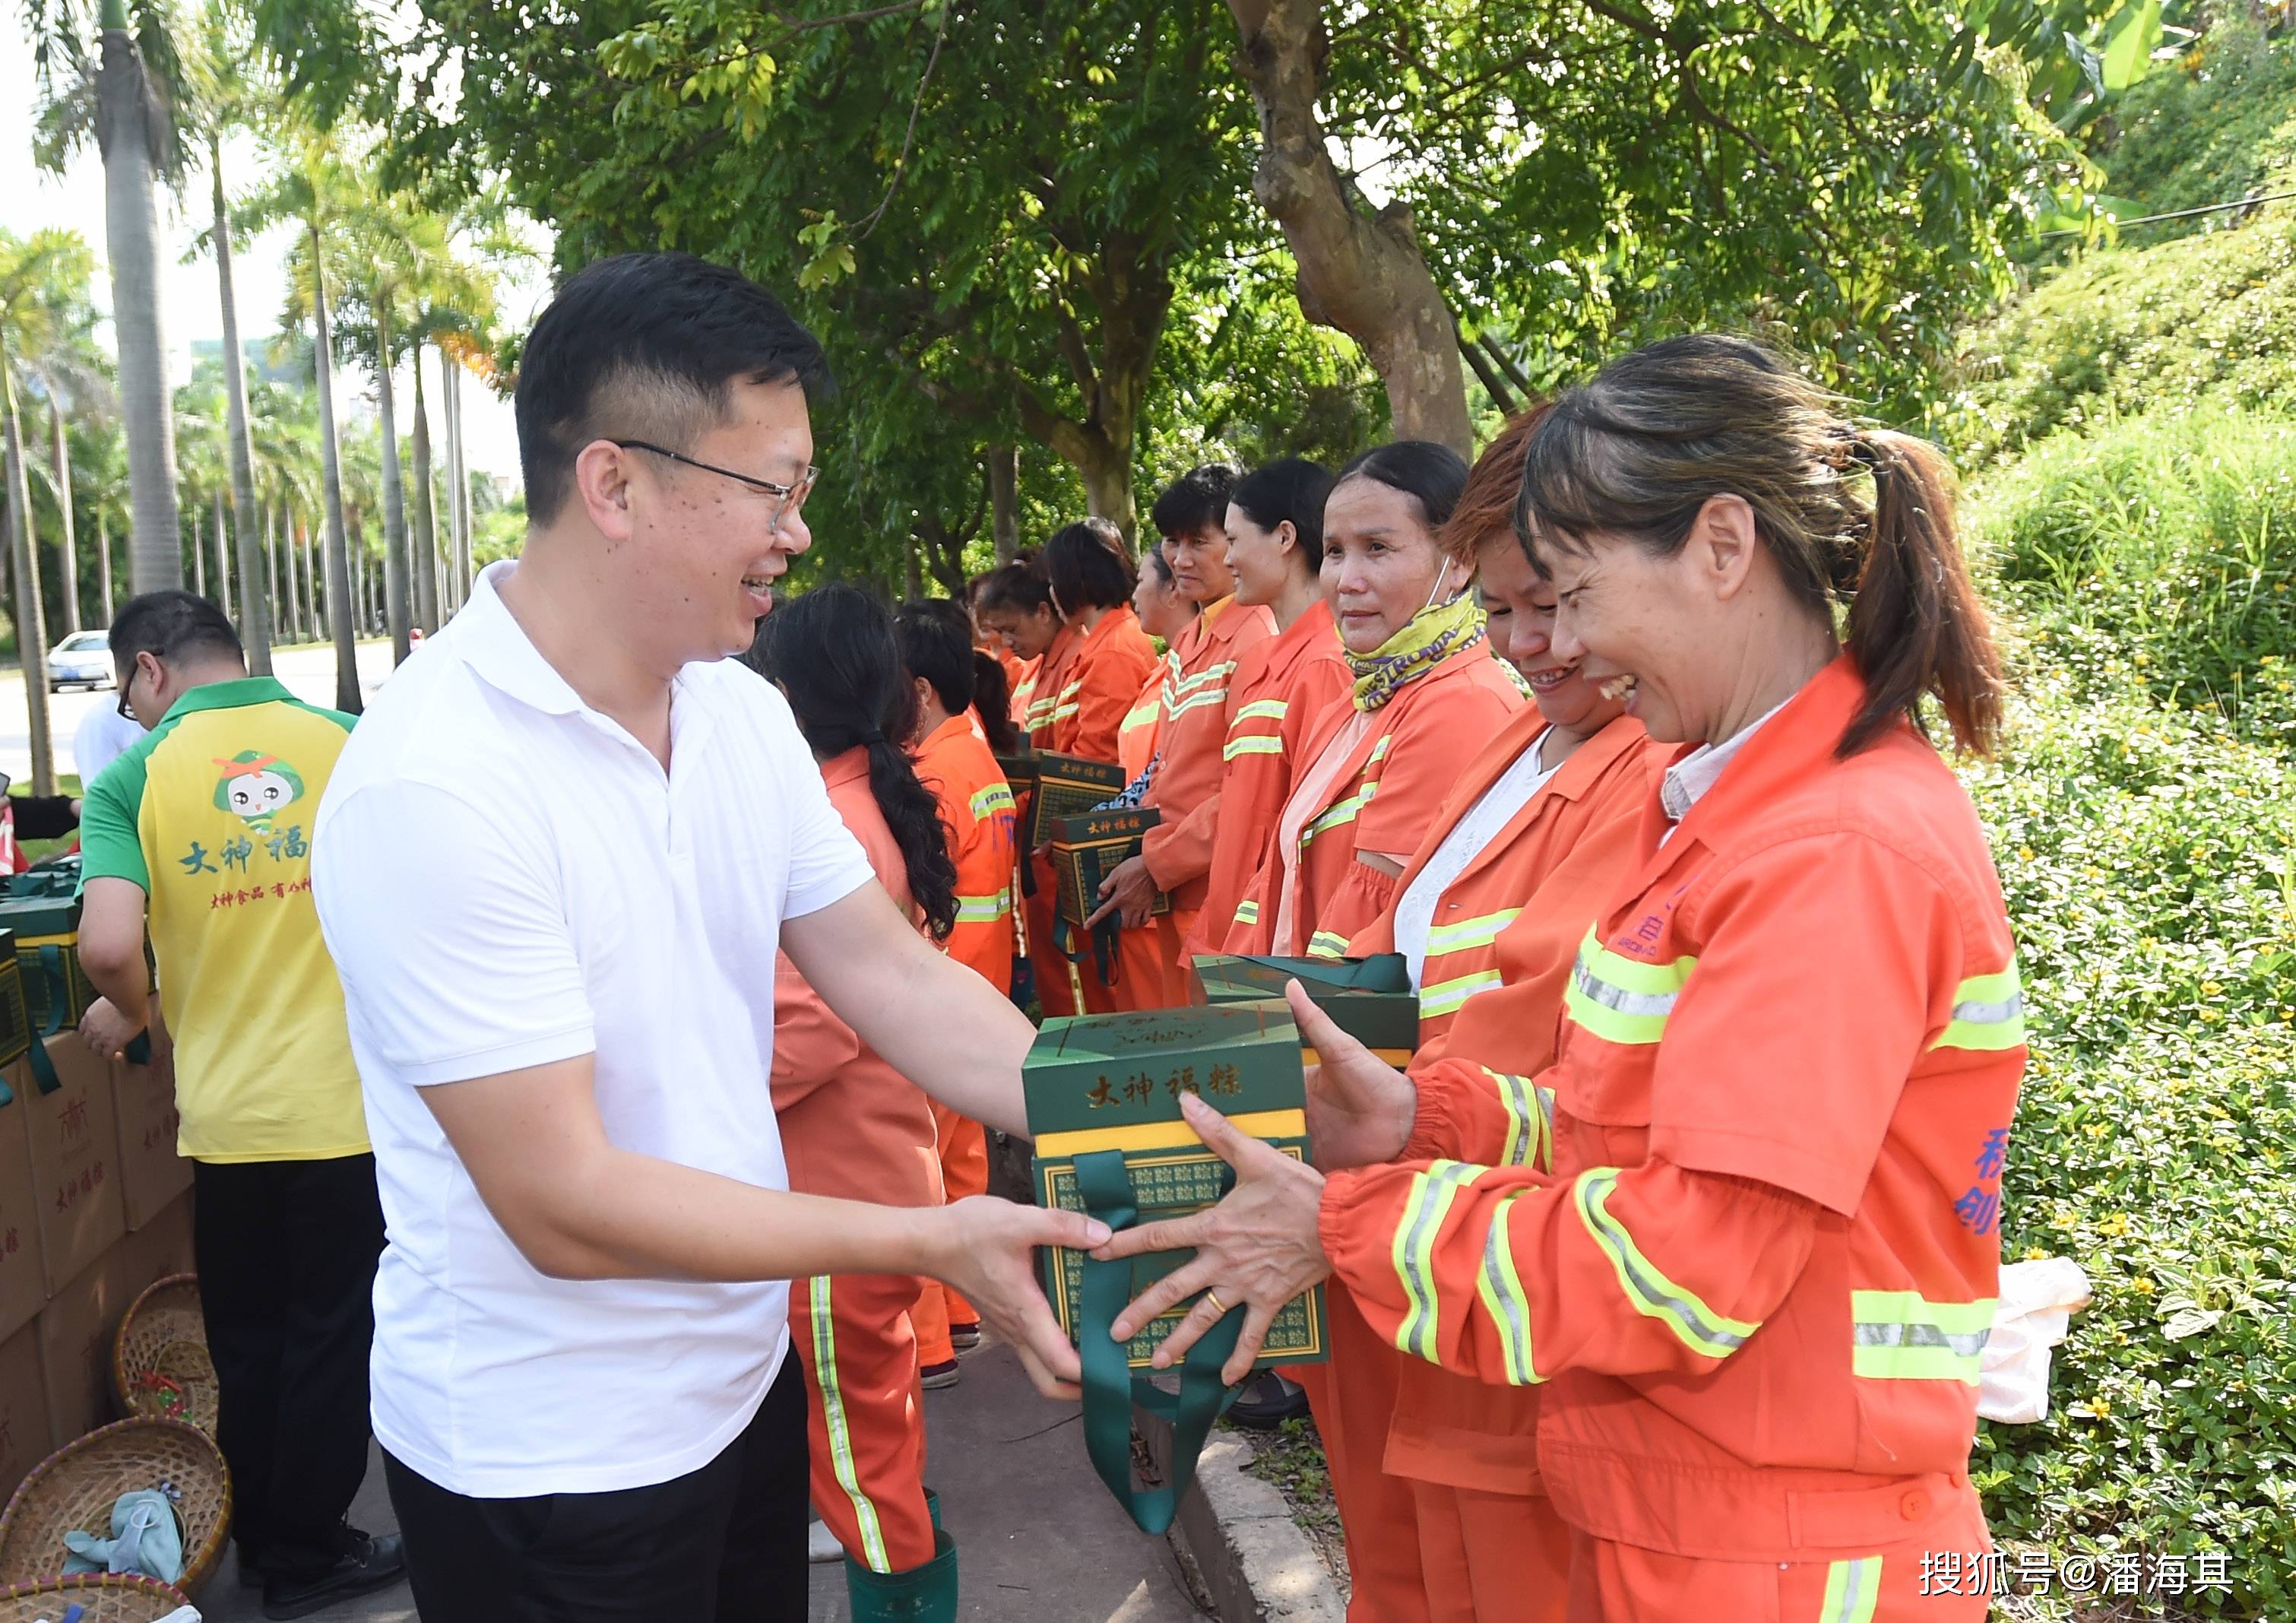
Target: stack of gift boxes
x=94 y=1202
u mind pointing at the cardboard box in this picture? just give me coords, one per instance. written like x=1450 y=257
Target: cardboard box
x=1113 y=1082
x=1370 y=999
x=76 y=1331
x=24 y=1437
x=15 y=1017
x=1087 y=849
x=75 y=1161
x=161 y=1247
x=23 y=1273
x=151 y=1173
x=1069 y=786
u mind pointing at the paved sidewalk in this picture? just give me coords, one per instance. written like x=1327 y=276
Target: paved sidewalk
x=1039 y=1539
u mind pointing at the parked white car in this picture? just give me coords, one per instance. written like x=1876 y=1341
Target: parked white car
x=82 y=659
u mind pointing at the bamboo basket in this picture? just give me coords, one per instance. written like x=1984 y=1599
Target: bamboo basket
x=159 y=1364
x=74 y=1488
x=104 y=1599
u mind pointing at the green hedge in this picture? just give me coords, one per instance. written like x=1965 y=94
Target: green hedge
x=2150 y=861
x=2207 y=128
x=2160 y=550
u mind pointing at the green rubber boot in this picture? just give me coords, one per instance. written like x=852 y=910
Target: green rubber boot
x=922 y=1595
x=932 y=1508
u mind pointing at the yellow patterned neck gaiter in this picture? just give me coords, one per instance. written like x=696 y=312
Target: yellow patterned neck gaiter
x=1429 y=637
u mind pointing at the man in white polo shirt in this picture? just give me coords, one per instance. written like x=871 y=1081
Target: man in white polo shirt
x=553 y=866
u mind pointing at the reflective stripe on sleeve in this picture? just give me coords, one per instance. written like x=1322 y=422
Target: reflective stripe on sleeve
x=984 y=909
x=1988 y=1013
x=1424 y=1211
x=1327 y=944
x=1449 y=996
x=1648 y=1291
x=996 y=798
x=1500 y=1289
x=1247 y=912
x=1620 y=999
x=1530 y=1114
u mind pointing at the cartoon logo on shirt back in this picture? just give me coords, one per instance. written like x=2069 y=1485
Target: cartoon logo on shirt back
x=257 y=787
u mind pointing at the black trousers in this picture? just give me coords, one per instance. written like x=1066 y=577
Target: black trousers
x=725 y=1542
x=286 y=1254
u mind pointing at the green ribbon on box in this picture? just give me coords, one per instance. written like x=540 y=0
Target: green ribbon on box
x=1110 y=1390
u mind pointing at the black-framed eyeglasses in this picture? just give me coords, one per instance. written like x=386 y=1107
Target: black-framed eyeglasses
x=790 y=497
x=127 y=686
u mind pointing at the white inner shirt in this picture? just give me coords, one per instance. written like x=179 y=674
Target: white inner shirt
x=1493 y=811
x=506 y=878
x=1687 y=781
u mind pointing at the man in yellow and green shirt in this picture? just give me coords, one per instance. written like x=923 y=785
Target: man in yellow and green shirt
x=206 y=825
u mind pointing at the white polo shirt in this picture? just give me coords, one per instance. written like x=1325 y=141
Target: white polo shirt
x=507 y=877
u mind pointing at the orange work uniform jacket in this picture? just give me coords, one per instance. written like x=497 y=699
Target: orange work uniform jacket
x=1387 y=792
x=1758 y=1281
x=1189 y=740
x=978 y=815
x=1280 y=692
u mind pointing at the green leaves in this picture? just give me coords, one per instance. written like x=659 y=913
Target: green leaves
x=2136 y=35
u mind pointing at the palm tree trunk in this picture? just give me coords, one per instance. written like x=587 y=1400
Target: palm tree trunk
x=31 y=629
x=425 y=538
x=125 y=133
x=68 y=576
x=310 y=585
x=291 y=596
x=255 y=605
x=458 y=484
x=270 y=592
x=102 y=567
x=337 y=545
x=223 y=598
x=396 y=587
x=198 y=556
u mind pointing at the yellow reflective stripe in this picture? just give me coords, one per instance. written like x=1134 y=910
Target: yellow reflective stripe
x=1424 y=1211
x=1065 y=711
x=1073 y=689
x=1530 y=1119
x=1901 y=1335
x=1269 y=744
x=1247 y=912
x=1343 y=812
x=1210 y=673
x=1648 y=1291
x=984 y=909
x=1619 y=999
x=996 y=798
x=1853 y=1589
x=1327 y=944
x=1261 y=709
x=1988 y=1013
x=1500 y=1287
x=840 y=1437
x=1440 y=997
x=1470 y=932
x=1378 y=750
x=1141 y=715
x=1210 y=695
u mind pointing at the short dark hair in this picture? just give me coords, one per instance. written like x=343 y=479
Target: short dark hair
x=935 y=642
x=171 y=624
x=1198 y=498
x=643 y=346
x=1292 y=488
x=1088 y=567
x=1433 y=475
x=1019 y=586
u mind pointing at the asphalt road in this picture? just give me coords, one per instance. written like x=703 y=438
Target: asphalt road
x=308 y=670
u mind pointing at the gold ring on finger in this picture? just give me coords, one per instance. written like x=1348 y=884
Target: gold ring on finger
x=1219 y=1307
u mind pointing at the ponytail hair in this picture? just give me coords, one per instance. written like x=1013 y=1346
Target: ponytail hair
x=1850 y=514
x=832 y=651
x=992 y=703
x=1088 y=566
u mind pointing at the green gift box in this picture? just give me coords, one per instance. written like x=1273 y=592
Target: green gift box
x=1370 y=999
x=15 y=1019
x=1087 y=849
x=44 y=915
x=1068 y=786
x=1112 y=1082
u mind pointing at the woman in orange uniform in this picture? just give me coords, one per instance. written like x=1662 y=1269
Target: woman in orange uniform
x=1488 y=914
x=977 y=817
x=1014 y=602
x=1427 y=693
x=853 y=1126
x=1176 y=855
x=1427 y=690
x=1758 y=1280
x=1282 y=687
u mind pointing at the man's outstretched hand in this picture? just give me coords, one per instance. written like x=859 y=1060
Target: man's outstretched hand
x=1359 y=1108
x=1255 y=1249
x=984 y=1248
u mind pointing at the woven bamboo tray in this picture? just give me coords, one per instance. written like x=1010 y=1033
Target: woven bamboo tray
x=105 y=1600
x=159 y=1364
x=74 y=1489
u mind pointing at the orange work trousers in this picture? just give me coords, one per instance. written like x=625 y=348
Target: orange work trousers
x=1486 y=1556
x=1147 y=971
x=1621 y=1583
x=1353 y=1400
x=964 y=1146
x=865 y=1415
x=1055 y=988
